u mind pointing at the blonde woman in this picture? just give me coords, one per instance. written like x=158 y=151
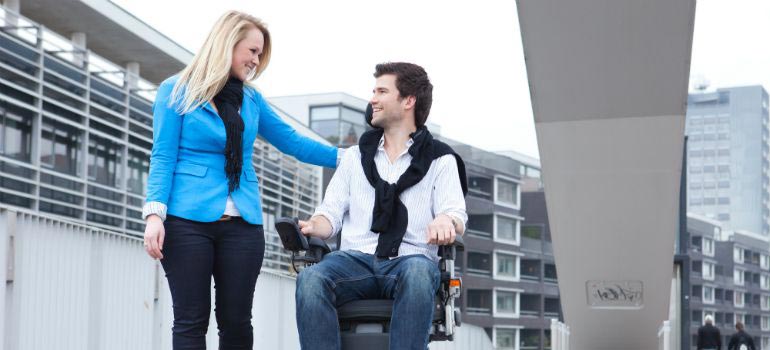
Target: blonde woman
x=203 y=215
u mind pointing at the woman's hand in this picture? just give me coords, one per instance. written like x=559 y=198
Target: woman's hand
x=154 y=233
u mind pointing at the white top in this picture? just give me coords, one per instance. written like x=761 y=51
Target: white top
x=230 y=208
x=349 y=200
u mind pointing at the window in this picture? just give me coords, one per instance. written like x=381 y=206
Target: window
x=507 y=266
x=105 y=165
x=765 y=302
x=505 y=338
x=529 y=339
x=738 y=254
x=708 y=271
x=552 y=307
x=506 y=229
x=479 y=263
x=530 y=305
x=764 y=261
x=708 y=295
x=480 y=225
x=738 y=277
x=15 y=132
x=506 y=303
x=138 y=170
x=532 y=231
x=480 y=187
x=764 y=281
x=60 y=147
x=549 y=272
x=328 y=129
x=506 y=192
x=530 y=269
x=739 y=298
x=708 y=246
x=479 y=301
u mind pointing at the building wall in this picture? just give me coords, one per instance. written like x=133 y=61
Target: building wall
x=714 y=290
x=728 y=157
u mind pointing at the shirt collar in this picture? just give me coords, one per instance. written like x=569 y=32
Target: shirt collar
x=381 y=144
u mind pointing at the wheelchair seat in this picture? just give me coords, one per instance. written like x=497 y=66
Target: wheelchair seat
x=365 y=323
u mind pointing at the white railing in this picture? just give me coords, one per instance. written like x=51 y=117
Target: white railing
x=70 y=286
x=559 y=335
x=665 y=340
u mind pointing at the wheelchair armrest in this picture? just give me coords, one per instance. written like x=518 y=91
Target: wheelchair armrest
x=448 y=252
x=294 y=241
x=459 y=243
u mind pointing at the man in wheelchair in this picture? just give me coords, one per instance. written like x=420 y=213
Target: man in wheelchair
x=396 y=197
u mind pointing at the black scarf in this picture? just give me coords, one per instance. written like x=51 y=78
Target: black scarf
x=228 y=102
x=390 y=216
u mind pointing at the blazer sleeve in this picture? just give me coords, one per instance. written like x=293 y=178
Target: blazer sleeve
x=166 y=129
x=289 y=141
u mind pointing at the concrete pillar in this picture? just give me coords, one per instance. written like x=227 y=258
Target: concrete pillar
x=79 y=56
x=13 y=5
x=132 y=75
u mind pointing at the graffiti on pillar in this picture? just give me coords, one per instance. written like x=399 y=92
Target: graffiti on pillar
x=615 y=294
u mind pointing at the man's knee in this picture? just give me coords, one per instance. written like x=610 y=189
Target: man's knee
x=311 y=281
x=420 y=273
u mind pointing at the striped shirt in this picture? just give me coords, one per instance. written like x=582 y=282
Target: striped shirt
x=349 y=200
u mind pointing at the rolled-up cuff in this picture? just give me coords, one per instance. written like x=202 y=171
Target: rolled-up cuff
x=457 y=218
x=156 y=208
x=335 y=225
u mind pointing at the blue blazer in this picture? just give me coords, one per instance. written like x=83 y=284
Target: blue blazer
x=187 y=161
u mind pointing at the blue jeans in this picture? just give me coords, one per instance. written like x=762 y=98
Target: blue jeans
x=232 y=252
x=344 y=276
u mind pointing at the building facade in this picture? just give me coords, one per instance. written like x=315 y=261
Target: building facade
x=728 y=157
x=76 y=130
x=729 y=279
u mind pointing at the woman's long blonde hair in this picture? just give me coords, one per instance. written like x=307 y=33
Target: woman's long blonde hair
x=210 y=68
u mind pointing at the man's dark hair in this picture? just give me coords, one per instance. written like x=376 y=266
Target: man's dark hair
x=411 y=80
x=739 y=325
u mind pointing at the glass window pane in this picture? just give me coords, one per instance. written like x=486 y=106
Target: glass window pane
x=506 y=302
x=16 y=133
x=328 y=129
x=60 y=147
x=138 y=169
x=105 y=165
x=506 y=228
x=353 y=116
x=324 y=113
x=479 y=262
x=506 y=265
x=506 y=192
x=506 y=338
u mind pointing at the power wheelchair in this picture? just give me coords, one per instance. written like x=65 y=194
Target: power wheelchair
x=365 y=324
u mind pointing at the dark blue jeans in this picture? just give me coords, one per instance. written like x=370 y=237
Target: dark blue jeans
x=344 y=276
x=232 y=252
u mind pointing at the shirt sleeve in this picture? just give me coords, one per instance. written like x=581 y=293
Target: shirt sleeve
x=166 y=130
x=447 y=192
x=336 y=201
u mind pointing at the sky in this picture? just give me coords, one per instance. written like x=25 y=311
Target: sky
x=472 y=53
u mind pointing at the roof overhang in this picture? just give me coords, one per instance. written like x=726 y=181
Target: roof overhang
x=112 y=33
